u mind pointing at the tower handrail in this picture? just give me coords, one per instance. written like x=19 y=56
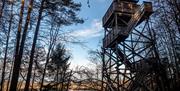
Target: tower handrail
x=135 y=19
x=122 y=7
x=108 y=12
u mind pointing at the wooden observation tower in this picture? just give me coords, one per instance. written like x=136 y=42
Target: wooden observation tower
x=130 y=62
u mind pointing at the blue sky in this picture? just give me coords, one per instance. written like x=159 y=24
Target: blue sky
x=91 y=31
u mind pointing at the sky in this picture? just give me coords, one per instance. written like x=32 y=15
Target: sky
x=91 y=31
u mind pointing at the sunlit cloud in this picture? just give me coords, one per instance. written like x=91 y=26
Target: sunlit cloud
x=95 y=30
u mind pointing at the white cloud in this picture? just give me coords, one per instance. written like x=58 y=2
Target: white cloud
x=95 y=30
x=101 y=0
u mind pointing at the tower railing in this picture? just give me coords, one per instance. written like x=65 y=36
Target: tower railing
x=120 y=7
x=118 y=34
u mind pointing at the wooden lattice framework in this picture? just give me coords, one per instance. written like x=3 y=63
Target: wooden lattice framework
x=130 y=60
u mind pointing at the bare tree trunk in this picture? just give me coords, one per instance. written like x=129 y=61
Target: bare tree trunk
x=61 y=82
x=44 y=71
x=19 y=58
x=33 y=46
x=25 y=33
x=17 y=63
x=63 y=79
x=57 y=78
x=69 y=80
x=19 y=85
x=33 y=79
x=6 y=50
x=15 y=73
x=9 y=78
x=2 y=8
x=51 y=46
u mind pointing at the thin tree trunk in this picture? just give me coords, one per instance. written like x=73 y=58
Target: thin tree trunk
x=2 y=8
x=9 y=78
x=19 y=85
x=69 y=79
x=6 y=50
x=15 y=73
x=33 y=46
x=44 y=71
x=57 y=78
x=62 y=77
x=33 y=79
x=51 y=46
x=23 y=80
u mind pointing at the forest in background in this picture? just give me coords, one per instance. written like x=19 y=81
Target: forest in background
x=33 y=51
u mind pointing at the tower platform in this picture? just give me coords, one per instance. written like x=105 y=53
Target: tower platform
x=121 y=18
